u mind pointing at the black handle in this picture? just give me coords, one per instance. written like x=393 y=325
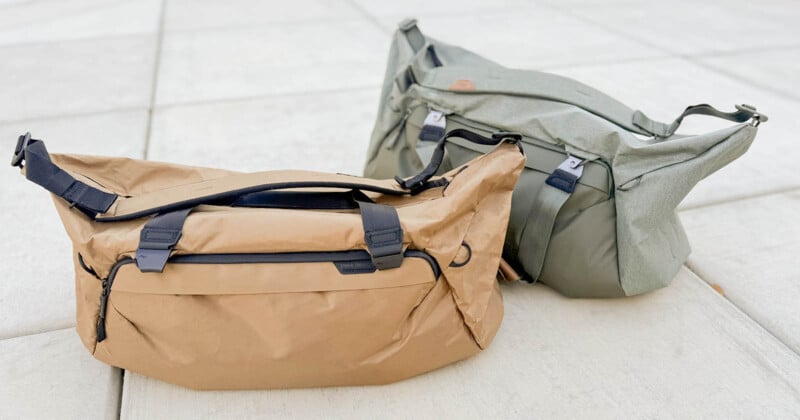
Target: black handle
x=420 y=182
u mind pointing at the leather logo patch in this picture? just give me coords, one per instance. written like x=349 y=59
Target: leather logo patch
x=463 y=85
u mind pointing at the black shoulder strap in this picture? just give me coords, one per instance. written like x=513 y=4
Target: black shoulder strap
x=40 y=170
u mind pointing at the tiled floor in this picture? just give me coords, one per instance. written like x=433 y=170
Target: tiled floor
x=296 y=84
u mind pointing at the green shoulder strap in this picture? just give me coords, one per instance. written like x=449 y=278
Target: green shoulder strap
x=501 y=80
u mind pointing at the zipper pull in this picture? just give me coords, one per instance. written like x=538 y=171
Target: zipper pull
x=101 y=319
x=434 y=126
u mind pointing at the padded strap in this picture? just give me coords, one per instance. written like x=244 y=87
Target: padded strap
x=157 y=240
x=742 y=114
x=535 y=238
x=33 y=156
x=383 y=234
x=420 y=182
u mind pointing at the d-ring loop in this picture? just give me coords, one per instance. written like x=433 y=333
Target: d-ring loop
x=469 y=256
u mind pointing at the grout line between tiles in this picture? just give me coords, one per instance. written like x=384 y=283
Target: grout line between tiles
x=694 y=59
x=265 y=96
x=191 y=103
x=29 y=334
x=743 y=79
x=737 y=199
x=121 y=391
x=369 y=16
x=761 y=326
x=77 y=40
x=154 y=85
x=71 y=13
x=73 y=115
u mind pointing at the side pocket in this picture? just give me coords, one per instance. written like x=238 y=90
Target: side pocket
x=582 y=256
x=87 y=304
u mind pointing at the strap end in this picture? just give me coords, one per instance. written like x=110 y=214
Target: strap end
x=19 y=150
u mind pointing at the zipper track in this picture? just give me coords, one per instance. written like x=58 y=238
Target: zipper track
x=359 y=260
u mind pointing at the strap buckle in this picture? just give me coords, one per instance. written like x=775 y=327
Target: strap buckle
x=566 y=176
x=387 y=261
x=757 y=117
x=385 y=247
x=572 y=165
x=19 y=150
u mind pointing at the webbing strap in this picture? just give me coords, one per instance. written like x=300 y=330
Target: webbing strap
x=383 y=234
x=413 y=34
x=743 y=113
x=39 y=169
x=535 y=238
x=157 y=239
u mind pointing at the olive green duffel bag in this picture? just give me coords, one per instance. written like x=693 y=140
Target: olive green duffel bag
x=593 y=214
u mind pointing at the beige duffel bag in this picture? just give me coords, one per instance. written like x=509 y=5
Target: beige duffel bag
x=214 y=279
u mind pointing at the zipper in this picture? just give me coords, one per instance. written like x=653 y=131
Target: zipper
x=347 y=262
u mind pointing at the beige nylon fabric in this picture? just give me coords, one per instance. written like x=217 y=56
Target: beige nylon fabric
x=250 y=326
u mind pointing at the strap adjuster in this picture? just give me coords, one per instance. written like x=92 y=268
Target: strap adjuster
x=566 y=176
x=385 y=247
x=19 y=150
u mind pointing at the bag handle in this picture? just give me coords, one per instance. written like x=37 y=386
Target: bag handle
x=102 y=206
x=420 y=182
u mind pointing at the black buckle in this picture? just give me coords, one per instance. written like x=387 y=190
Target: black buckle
x=19 y=150
x=386 y=262
x=503 y=135
x=385 y=247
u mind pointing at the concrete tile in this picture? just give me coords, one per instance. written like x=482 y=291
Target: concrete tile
x=782 y=72
x=323 y=132
x=37 y=291
x=75 y=77
x=52 y=376
x=190 y=14
x=272 y=59
x=424 y=8
x=749 y=249
x=690 y=27
x=48 y=21
x=531 y=38
x=663 y=88
x=676 y=353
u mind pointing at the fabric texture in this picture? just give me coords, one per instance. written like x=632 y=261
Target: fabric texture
x=272 y=297
x=617 y=233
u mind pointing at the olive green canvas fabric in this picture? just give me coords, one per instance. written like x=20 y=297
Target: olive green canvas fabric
x=614 y=232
